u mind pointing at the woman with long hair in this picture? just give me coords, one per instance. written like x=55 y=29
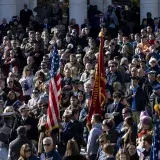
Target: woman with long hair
x=132 y=150
x=26 y=153
x=72 y=151
x=27 y=83
x=122 y=155
x=11 y=99
x=130 y=132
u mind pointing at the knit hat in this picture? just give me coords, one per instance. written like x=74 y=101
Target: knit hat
x=146 y=120
x=152 y=60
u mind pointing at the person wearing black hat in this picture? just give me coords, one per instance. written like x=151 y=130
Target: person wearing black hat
x=15 y=145
x=136 y=98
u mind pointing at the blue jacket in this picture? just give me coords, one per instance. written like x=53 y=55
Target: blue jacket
x=52 y=154
x=33 y=158
x=92 y=145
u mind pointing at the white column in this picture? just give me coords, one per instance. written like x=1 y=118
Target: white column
x=149 y=6
x=32 y=5
x=101 y=4
x=7 y=9
x=78 y=10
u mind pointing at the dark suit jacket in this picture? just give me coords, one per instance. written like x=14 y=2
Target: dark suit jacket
x=30 y=121
x=116 y=108
x=15 y=146
x=4 y=29
x=25 y=16
x=139 y=98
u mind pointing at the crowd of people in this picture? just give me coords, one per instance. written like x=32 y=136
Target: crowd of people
x=125 y=130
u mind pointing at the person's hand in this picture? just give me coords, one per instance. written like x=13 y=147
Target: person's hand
x=28 y=127
x=133 y=95
x=87 y=157
x=37 y=54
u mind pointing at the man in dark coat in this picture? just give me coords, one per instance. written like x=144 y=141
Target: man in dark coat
x=25 y=15
x=116 y=107
x=136 y=99
x=15 y=145
x=29 y=123
x=72 y=128
x=4 y=27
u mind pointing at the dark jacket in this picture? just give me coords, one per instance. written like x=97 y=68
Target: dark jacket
x=4 y=29
x=25 y=16
x=77 y=157
x=116 y=108
x=148 y=88
x=51 y=155
x=139 y=99
x=114 y=77
x=72 y=129
x=15 y=146
x=30 y=121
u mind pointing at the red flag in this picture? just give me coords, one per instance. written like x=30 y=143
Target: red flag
x=99 y=89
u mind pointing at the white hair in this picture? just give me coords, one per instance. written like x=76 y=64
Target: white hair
x=151 y=60
x=48 y=139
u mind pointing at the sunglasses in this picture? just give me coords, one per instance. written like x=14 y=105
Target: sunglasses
x=29 y=150
x=35 y=92
x=112 y=66
x=10 y=81
x=101 y=142
x=48 y=144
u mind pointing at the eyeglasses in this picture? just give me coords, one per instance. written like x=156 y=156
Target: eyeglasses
x=28 y=70
x=29 y=150
x=101 y=141
x=10 y=81
x=48 y=144
x=35 y=92
x=111 y=66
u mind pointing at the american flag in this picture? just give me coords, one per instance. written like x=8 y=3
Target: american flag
x=155 y=150
x=54 y=92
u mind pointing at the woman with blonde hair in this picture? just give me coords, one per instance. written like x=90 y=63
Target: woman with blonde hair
x=72 y=151
x=26 y=153
x=26 y=83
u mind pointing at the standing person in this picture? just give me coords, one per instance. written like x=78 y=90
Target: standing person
x=49 y=150
x=26 y=83
x=25 y=14
x=29 y=123
x=4 y=27
x=96 y=131
x=116 y=106
x=15 y=145
x=72 y=151
x=136 y=99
